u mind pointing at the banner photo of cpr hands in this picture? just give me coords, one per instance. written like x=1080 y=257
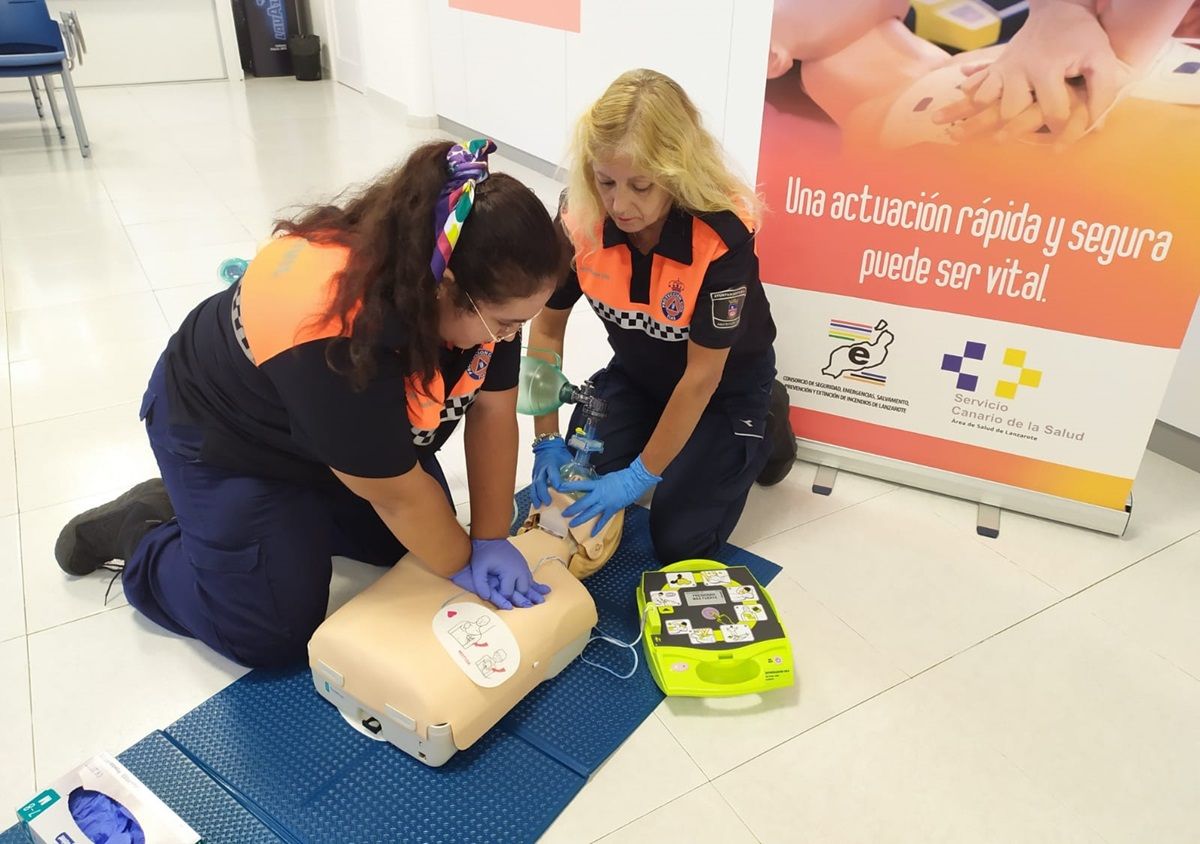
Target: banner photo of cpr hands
x=973 y=273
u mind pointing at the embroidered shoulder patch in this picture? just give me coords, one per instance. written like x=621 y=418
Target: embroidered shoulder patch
x=727 y=307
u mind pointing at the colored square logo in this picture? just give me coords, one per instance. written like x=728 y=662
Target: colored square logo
x=1014 y=357
x=954 y=363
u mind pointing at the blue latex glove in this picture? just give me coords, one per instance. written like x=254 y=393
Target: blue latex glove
x=610 y=494
x=463 y=580
x=101 y=818
x=549 y=456
x=499 y=574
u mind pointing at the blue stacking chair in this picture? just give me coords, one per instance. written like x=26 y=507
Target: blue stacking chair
x=37 y=98
x=31 y=45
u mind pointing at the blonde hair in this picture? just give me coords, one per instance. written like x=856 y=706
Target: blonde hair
x=648 y=116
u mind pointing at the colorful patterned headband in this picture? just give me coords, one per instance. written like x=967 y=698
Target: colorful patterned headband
x=468 y=167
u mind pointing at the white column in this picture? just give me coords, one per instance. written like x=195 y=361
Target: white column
x=417 y=57
x=397 y=58
x=229 y=46
x=1181 y=407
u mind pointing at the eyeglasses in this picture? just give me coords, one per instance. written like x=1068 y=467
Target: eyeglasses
x=497 y=338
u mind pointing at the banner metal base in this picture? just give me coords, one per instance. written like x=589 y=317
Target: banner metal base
x=987 y=521
x=991 y=496
x=825 y=478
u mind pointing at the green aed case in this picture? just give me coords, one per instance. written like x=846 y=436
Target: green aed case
x=712 y=631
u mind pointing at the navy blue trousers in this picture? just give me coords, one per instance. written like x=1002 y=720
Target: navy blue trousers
x=704 y=490
x=245 y=565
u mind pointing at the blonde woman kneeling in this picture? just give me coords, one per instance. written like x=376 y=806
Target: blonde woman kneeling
x=663 y=240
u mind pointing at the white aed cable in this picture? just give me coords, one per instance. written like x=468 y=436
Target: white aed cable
x=601 y=636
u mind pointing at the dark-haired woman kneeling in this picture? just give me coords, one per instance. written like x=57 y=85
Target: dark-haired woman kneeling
x=296 y=415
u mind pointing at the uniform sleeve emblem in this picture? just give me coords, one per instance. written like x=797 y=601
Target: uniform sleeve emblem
x=479 y=365
x=727 y=307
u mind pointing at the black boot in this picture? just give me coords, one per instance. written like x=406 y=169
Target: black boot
x=780 y=438
x=112 y=531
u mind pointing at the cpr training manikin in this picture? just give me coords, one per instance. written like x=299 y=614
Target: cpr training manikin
x=429 y=667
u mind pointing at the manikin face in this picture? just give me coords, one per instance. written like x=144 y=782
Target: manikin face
x=631 y=197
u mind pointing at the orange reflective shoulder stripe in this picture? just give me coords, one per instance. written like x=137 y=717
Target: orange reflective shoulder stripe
x=284 y=294
x=605 y=276
x=429 y=406
x=425 y=405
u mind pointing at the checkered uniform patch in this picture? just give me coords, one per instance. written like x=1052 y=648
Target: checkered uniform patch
x=239 y=331
x=454 y=409
x=639 y=321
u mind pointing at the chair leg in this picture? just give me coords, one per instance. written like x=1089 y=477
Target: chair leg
x=49 y=83
x=37 y=98
x=85 y=145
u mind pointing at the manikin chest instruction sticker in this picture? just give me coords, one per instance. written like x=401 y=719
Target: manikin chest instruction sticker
x=478 y=642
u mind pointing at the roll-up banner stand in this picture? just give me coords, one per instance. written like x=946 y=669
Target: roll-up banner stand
x=973 y=305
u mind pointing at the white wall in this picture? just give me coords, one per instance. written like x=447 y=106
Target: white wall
x=526 y=84
x=139 y=41
x=380 y=47
x=227 y=34
x=318 y=24
x=397 y=52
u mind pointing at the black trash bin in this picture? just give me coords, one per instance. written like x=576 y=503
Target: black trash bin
x=306 y=57
x=263 y=29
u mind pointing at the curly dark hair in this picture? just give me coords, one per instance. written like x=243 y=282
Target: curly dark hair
x=508 y=249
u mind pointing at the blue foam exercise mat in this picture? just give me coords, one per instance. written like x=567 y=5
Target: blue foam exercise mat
x=289 y=754
x=207 y=808
x=301 y=774
x=502 y=789
x=308 y=764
